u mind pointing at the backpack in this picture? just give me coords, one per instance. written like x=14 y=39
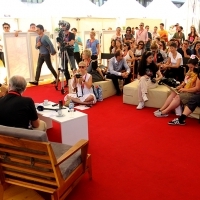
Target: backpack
x=97 y=90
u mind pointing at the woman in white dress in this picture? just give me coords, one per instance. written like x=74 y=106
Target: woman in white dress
x=83 y=88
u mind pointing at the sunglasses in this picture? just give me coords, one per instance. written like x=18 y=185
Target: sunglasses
x=141 y=44
x=6 y=27
x=81 y=67
x=141 y=25
x=185 y=43
x=160 y=45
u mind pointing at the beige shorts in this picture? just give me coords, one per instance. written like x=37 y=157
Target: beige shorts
x=82 y=99
x=185 y=97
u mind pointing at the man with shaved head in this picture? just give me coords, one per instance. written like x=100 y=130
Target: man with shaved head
x=18 y=111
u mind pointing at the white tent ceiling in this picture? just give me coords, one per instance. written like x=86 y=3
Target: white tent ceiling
x=12 y=8
x=161 y=9
x=125 y=8
x=69 y=8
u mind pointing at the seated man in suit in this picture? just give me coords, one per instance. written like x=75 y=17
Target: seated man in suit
x=18 y=111
x=118 y=69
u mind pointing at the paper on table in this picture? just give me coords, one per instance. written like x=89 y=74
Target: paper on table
x=82 y=107
x=49 y=113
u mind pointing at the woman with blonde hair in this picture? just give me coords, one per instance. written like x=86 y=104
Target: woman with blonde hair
x=93 y=45
x=92 y=66
x=83 y=87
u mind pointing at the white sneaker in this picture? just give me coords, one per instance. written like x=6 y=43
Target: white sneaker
x=159 y=114
x=156 y=111
x=140 y=105
x=144 y=96
x=178 y=111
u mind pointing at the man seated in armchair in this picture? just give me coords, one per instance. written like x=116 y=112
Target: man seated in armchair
x=18 y=111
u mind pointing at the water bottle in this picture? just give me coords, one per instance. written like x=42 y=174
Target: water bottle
x=71 y=106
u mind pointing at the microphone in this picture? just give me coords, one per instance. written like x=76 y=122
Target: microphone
x=41 y=108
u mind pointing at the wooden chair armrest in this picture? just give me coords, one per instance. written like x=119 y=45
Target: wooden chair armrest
x=79 y=145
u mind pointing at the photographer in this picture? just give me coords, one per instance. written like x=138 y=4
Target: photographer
x=66 y=41
x=82 y=84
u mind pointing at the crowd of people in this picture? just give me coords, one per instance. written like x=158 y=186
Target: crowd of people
x=136 y=55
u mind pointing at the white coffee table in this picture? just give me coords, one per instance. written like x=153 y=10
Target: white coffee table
x=73 y=126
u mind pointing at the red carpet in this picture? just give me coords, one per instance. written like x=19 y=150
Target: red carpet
x=135 y=156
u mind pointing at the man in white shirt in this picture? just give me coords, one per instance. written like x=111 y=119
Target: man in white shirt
x=155 y=33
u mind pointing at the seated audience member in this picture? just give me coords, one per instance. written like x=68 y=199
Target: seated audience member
x=112 y=45
x=128 y=36
x=82 y=86
x=184 y=50
x=118 y=69
x=196 y=50
x=172 y=67
x=16 y=110
x=186 y=91
x=157 y=56
x=138 y=55
x=118 y=46
x=163 y=49
x=128 y=54
x=191 y=105
x=92 y=66
x=147 y=77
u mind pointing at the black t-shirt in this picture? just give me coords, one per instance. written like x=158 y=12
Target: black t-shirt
x=188 y=51
x=17 y=111
x=70 y=36
x=149 y=70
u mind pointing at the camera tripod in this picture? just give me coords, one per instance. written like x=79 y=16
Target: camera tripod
x=61 y=68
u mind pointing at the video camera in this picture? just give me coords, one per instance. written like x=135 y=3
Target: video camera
x=171 y=82
x=63 y=26
x=78 y=75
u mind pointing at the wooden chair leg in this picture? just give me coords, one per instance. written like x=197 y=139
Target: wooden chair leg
x=89 y=166
x=1 y=192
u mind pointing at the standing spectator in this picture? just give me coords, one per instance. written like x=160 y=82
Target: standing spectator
x=148 y=44
x=163 y=33
x=93 y=45
x=148 y=75
x=118 y=35
x=142 y=34
x=192 y=36
x=45 y=46
x=133 y=31
x=128 y=36
x=179 y=35
x=77 y=42
x=32 y=28
x=118 y=69
x=155 y=33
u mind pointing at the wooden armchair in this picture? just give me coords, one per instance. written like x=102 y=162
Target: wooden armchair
x=40 y=165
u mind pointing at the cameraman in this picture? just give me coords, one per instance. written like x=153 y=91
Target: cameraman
x=82 y=84
x=66 y=43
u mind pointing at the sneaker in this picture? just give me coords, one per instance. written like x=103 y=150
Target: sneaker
x=144 y=96
x=176 y=122
x=159 y=114
x=178 y=111
x=140 y=105
x=33 y=82
x=156 y=111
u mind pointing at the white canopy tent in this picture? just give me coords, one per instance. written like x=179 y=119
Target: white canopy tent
x=124 y=9
x=69 y=8
x=189 y=12
x=161 y=9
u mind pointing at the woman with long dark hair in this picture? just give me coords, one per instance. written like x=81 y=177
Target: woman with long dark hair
x=192 y=36
x=148 y=75
x=196 y=50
